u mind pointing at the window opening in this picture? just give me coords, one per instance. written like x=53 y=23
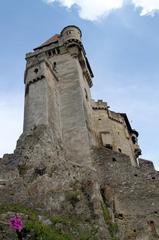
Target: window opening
x=54 y=66
x=86 y=95
x=49 y=53
x=36 y=70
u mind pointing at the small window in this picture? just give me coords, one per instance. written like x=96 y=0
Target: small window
x=106 y=139
x=58 y=51
x=86 y=95
x=69 y=32
x=54 y=65
x=36 y=70
x=119 y=150
x=109 y=146
x=49 y=53
x=120 y=216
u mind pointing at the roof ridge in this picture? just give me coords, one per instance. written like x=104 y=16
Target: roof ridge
x=51 y=40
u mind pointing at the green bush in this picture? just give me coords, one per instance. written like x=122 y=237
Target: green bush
x=45 y=232
x=33 y=226
x=37 y=230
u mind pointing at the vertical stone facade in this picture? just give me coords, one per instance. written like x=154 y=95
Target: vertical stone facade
x=58 y=79
x=113 y=131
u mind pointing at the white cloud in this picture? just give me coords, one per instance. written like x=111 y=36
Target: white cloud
x=95 y=9
x=91 y=9
x=149 y=7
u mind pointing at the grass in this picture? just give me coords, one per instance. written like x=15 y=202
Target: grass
x=112 y=227
x=43 y=232
x=37 y=230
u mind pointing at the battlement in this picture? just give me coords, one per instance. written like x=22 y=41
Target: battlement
x=99 y=105
x=69 y=41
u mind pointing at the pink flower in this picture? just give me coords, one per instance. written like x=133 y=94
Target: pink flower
x=16 y=223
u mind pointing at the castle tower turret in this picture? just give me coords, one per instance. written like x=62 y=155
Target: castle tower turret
x=71 y=35
x=58 y=78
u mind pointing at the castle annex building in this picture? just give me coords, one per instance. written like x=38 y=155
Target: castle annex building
x=76 y=159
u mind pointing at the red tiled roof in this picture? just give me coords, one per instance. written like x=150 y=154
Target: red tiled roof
x=51 y=40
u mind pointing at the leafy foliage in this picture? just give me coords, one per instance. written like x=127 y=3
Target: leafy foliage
x=34 y=229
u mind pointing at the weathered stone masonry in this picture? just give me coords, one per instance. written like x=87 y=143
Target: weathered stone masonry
x=60 y=66
x=76 y=158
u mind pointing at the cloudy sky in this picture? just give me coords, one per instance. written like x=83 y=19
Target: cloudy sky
x=121 y=38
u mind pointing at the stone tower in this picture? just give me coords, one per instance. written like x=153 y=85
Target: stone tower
x=58 y=78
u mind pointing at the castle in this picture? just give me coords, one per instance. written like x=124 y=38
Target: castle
x=58 y=79
x=76 y=157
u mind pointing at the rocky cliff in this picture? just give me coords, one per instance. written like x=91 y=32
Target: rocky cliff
x=60 y=199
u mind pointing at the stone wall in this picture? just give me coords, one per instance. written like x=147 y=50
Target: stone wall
x=113 y=126
x=131 y=193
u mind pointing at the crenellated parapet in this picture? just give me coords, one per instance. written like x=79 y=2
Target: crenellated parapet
x=69 y=41
x=99 y=105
